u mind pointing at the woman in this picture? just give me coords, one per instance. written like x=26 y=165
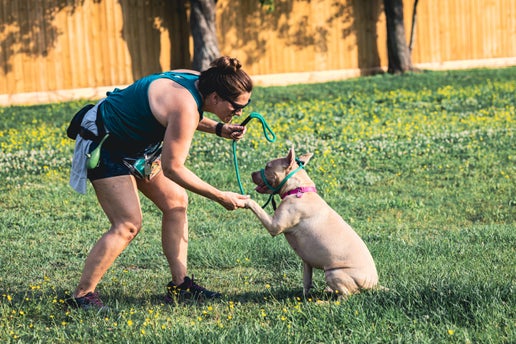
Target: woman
x=164 y=108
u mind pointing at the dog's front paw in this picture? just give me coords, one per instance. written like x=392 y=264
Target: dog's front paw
x=249 y=203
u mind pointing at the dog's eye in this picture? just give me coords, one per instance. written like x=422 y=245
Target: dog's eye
x=268 y=166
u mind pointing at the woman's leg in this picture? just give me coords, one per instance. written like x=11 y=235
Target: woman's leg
x=172 y=200
x=118 y=197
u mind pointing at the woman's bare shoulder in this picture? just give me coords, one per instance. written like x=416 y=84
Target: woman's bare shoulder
x=190 y=71
x=166 y=98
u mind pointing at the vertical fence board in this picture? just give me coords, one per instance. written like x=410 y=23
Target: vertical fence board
x=102 y=45
x=17 y=65
x=3 y=43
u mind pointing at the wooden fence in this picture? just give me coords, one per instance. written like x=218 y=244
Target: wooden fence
x=53 y=50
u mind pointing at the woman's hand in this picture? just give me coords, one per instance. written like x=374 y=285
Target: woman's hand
x=233 y=131
x=233 y=200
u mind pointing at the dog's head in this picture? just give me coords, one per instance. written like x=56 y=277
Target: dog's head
x=276 y=170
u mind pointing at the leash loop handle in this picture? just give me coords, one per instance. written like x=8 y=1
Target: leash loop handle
x=267 y=132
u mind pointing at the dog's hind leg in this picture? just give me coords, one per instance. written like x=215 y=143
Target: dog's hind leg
x=341 y=282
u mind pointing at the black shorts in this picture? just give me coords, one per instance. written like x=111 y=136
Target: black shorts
x=110 y=164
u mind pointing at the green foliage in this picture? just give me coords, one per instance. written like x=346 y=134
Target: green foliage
x=421 y=165
x=267 y=4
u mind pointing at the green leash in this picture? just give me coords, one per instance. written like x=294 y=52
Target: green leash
x=267 y=132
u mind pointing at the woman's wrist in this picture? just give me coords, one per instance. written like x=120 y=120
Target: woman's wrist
x=218 y=129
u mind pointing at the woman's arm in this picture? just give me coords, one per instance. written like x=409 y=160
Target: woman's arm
x=229 y=131
x=207 y=125
x=176 y=146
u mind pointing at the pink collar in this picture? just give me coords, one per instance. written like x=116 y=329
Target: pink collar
x=299 y=191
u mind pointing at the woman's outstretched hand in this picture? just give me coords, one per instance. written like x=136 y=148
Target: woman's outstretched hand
x=233 y=200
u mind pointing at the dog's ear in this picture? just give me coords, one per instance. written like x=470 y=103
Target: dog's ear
x=291 y=158
x=306 y=157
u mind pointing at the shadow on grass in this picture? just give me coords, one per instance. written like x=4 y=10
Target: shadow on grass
x=118 y=299
x=453 y=302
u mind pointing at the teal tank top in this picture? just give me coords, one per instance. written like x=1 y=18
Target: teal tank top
x=127 y=114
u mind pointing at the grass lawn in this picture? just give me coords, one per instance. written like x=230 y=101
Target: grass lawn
x=422 y=166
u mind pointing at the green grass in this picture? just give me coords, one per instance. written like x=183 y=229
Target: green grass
x=422 y=166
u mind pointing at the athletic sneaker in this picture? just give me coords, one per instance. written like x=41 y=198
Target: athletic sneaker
x=87 y=302
x=189 y=290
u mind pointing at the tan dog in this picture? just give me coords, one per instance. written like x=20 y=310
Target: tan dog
x=313 y=229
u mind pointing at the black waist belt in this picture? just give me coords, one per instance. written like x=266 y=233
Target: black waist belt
x=115 y=144
x=88 y=135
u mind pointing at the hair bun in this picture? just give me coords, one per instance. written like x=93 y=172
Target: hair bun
x=226 y=64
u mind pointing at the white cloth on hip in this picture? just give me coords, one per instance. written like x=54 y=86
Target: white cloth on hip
x=79 y=171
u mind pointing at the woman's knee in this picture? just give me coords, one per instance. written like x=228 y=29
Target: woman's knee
x=176 y=205
x=127 y=230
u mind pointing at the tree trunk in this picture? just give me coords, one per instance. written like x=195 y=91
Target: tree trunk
x=202 y=25
x=413 y=29
x=397 y=48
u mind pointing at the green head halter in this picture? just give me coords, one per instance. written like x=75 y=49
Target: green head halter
x=275 y=190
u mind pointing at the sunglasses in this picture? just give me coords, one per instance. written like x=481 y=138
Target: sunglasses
x=236 y=106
